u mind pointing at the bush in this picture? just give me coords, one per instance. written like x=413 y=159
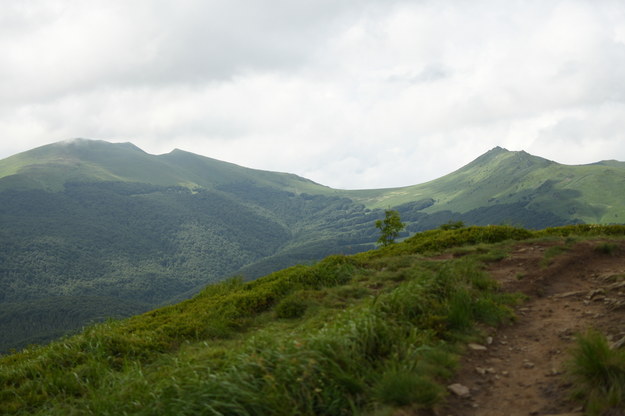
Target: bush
x=293 y=306
x=607 y=248
x=452 y=225
x=401 y=387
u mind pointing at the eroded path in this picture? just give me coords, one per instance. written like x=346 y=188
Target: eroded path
x=519 y=370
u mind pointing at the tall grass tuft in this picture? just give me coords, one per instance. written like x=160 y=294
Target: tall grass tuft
x=599 y=372
x=609 y=249
x=401 y=387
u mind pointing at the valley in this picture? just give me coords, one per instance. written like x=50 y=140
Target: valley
x=87 y=219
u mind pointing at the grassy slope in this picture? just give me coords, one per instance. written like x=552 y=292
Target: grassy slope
x=360 y=334
x=49 y=167
x=591 y=193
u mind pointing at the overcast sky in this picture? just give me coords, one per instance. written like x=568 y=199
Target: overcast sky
x=351 y=94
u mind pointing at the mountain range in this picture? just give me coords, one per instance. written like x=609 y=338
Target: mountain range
x=91 y=229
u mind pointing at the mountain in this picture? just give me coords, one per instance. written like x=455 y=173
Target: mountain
x=109 y=226
x=516 y=187
x=50 y=167
x=108 y=221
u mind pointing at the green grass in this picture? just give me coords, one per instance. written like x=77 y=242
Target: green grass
x=607 y=248
x=599 y=374
x=551 y=253
x=363 y=334
x=346 y=335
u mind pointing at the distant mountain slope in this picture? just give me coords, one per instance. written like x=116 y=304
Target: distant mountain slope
x=80 y=160
x=94 y=219
x=505 y=181
x=88 y=218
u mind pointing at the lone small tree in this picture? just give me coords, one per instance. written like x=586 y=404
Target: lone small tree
x=389 y=227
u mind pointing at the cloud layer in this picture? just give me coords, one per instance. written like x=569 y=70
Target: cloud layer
x=351 y=94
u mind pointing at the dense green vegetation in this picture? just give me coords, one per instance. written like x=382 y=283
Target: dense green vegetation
x=40 y=320
x=93 y=219
x=364 y=333
x=361 y=334
x=148 y=243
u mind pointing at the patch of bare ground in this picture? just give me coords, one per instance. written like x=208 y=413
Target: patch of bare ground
x=519 y=369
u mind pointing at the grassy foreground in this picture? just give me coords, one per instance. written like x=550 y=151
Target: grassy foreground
x=363 y=334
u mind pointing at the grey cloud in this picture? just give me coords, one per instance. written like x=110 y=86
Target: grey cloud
x=430 y=73
x=358 y=93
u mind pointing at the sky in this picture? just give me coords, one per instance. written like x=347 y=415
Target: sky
x=352 y=94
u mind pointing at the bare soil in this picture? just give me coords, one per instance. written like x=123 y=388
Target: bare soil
x=521 y=369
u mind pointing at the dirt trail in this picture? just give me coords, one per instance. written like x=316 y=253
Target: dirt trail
x=520 y=372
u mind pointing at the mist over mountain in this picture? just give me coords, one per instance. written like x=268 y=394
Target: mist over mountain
x=87 y=219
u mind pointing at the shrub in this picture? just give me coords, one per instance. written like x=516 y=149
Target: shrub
x=607 y=248
x=292 y=306
x=452 y=225
x=401 y=387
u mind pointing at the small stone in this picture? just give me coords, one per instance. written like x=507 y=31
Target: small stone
x=595 y=292
x=528 y=364
x=459 y=390
x=568 y=294
x=618 y=344
x=567 y=414
x=489 y=340
x=480 y=370
x=477 y=347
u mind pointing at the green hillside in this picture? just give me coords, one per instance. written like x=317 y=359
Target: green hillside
x=364 y=334
x=515 y=186
x=91 y=219
x=50 y=167
x=94 y=219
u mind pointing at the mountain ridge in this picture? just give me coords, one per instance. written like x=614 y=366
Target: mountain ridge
x=108 y=220
x=50 y=166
